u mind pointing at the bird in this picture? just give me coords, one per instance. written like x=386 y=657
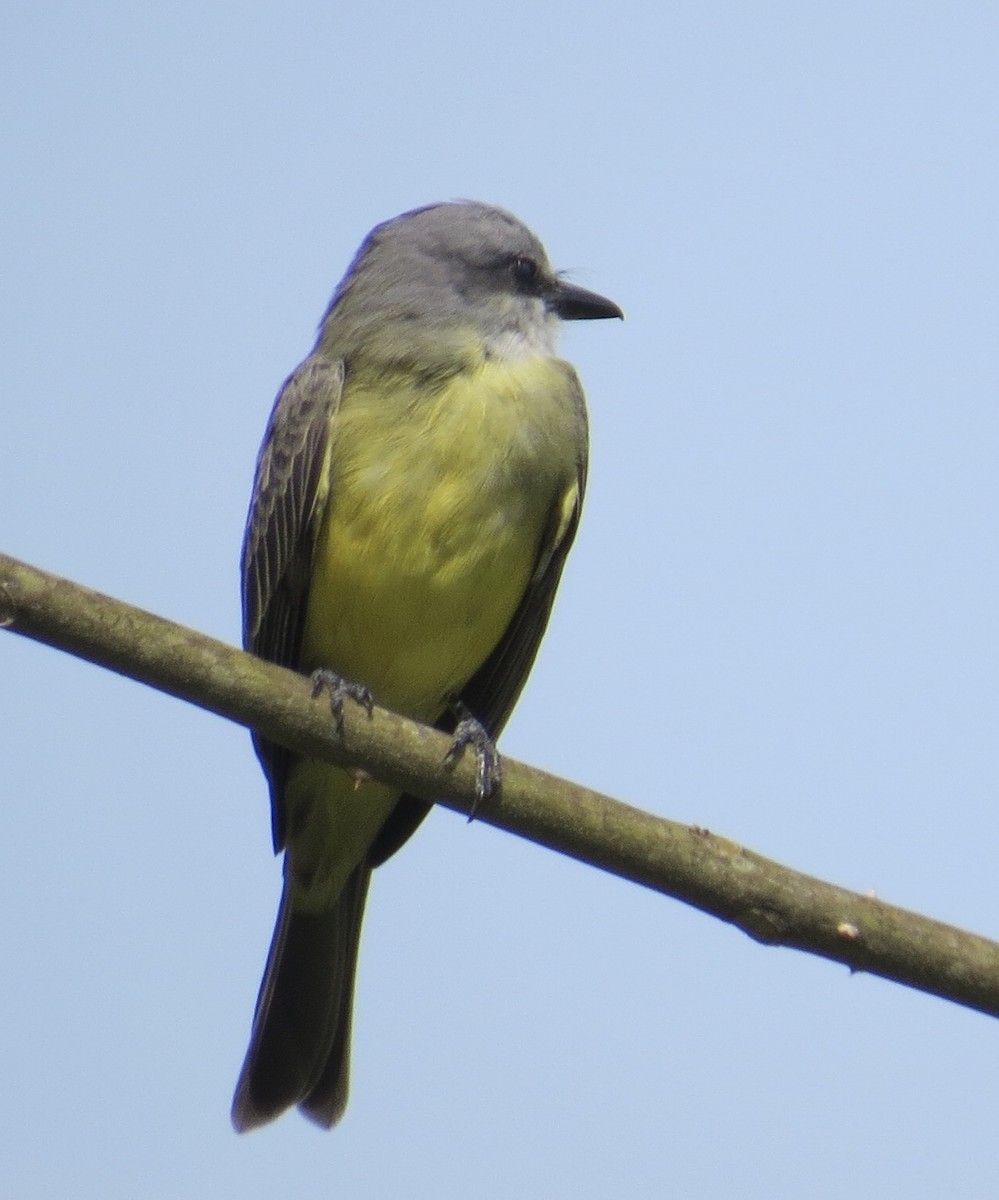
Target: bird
x=416 y=493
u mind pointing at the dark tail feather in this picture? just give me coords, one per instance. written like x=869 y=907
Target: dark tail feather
x=300 y=1046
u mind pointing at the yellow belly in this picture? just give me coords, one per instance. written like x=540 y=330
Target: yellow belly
x=436 y=507
x=436 y=512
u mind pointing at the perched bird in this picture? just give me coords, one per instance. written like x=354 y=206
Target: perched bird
x=416 y=494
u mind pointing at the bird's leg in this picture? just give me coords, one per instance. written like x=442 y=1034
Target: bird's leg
x=489 y=766
x=340 y=689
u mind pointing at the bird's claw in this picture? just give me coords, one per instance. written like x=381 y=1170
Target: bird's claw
x=489 y=766
x=340 y=690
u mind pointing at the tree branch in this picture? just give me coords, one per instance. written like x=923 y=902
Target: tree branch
x=771 y=903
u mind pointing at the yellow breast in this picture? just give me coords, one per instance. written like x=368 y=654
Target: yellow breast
x=439 y=498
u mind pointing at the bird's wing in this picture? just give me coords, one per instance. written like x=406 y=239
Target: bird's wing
x=492 y=691
x=289 y=495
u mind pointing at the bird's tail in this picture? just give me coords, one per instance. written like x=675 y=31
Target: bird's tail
x=300 y=1045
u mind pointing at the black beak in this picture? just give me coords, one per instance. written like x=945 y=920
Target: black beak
x=573 y=303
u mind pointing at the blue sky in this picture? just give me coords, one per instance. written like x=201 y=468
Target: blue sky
x=779 y=620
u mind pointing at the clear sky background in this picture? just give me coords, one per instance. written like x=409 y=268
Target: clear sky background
x=779 y=620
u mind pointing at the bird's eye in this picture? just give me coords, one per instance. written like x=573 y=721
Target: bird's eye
x=525 y=270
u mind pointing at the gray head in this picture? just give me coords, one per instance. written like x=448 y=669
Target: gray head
x=438 y=275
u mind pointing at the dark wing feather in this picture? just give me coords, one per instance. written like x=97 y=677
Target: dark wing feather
x=493 y=690
x=288 y=496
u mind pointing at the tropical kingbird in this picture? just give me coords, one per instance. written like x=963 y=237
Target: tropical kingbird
x=416 y=494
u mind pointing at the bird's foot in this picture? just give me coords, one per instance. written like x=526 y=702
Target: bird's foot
x=340 y=690
x=489 y=766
